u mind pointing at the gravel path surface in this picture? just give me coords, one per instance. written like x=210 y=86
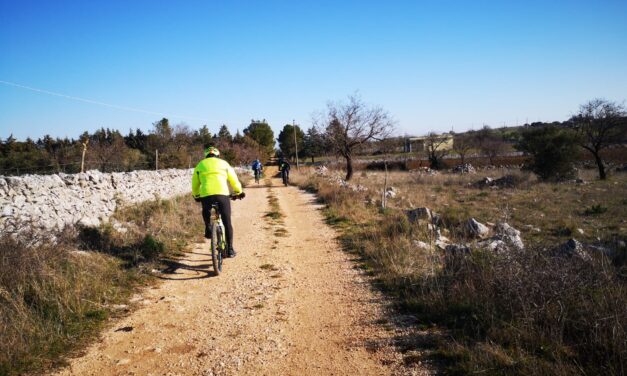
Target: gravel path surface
x=290 y=303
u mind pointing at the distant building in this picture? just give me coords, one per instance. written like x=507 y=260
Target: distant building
x=417 y=144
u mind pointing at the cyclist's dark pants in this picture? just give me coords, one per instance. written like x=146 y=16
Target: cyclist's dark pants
x=224 y=207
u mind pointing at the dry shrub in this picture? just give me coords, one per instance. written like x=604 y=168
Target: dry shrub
x=520 y=313
x=51 y=298
x=548 y=315
x=174 y=223
x=55 y=297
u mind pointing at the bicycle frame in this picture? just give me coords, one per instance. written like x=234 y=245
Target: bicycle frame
x=218 y=239
x=219 y=249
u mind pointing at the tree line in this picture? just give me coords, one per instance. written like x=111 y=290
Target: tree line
x=551 y=148
x=107 y=150
x=345 y=129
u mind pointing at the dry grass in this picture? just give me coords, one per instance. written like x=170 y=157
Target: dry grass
x=54 y=298
x=275 y=215
x=524 y=313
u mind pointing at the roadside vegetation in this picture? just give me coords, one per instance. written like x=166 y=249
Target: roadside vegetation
x=55 y=298
x=521 y=312
x=107 y=150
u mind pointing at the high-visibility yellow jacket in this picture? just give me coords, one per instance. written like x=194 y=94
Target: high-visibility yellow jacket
x=211 y=176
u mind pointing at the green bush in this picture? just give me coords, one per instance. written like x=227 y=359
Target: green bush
x=553 y=151
x=151 y=248
x=595 y=210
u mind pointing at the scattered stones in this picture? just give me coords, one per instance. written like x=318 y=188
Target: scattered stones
x=509 y=235
x=476 y=229
x=425 y=171
x=321 y=171
x=457 y=249
x=532 y=228
x=421 y=245
x=494 y=245
x=442 y=242
x=572 y=248
x=485 y=182
x=417 y=214
x=390 y=192
x=507 y=181
x=466 y=168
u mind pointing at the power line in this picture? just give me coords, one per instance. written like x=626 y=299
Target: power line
x=91 y=101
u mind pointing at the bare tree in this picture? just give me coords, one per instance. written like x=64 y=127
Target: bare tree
x=490 y=143
x=599 y=124
x=107 y=151
x=463 y=144
x=352 y=123
x=434 y=147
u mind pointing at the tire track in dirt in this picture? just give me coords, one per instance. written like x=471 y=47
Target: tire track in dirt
x=286 y=305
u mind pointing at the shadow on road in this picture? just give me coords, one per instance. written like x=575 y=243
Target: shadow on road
x=173 y=268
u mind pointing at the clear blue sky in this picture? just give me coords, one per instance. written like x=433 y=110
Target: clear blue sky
x=432 y=64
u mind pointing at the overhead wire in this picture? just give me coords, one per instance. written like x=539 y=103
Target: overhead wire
x=99 y=103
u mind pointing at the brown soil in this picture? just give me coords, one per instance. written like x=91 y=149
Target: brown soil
x=289 y=304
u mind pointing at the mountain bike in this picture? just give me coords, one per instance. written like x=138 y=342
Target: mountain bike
x=219 y=248
x=285 y=175
x=257 y=176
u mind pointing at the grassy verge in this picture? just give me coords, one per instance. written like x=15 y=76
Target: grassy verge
x=518 y=313
x=55 y=298
x=274 y=216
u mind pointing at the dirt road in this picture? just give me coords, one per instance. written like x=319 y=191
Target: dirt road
x=290 y=303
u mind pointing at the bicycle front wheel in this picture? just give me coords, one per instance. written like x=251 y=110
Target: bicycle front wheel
x=216 y=254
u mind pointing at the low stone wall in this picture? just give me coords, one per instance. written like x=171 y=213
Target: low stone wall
x=47 y=203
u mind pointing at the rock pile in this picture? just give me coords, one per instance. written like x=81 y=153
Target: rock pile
x=391 y=192
x=425 y=171
x=325 y=173
x=507 y=181
x=505 y=238
x=47 y=203
x=466 y=168
x=476 y=229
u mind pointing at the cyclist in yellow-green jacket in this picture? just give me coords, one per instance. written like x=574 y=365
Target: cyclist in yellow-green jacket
x=210 y=184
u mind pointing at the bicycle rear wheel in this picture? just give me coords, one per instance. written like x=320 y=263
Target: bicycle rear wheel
x=216 y=254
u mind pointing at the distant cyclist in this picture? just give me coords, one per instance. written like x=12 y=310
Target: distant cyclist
x=284 y=167
x=257 y=168
x=210 y=184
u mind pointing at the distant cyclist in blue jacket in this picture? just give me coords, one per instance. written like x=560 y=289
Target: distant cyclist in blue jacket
x=257 y=168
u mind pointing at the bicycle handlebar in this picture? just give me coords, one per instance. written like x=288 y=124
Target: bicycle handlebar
x=238 y=197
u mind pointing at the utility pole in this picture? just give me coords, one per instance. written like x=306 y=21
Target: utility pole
x=83 y=157
x=295 y=143
x=156 y=159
